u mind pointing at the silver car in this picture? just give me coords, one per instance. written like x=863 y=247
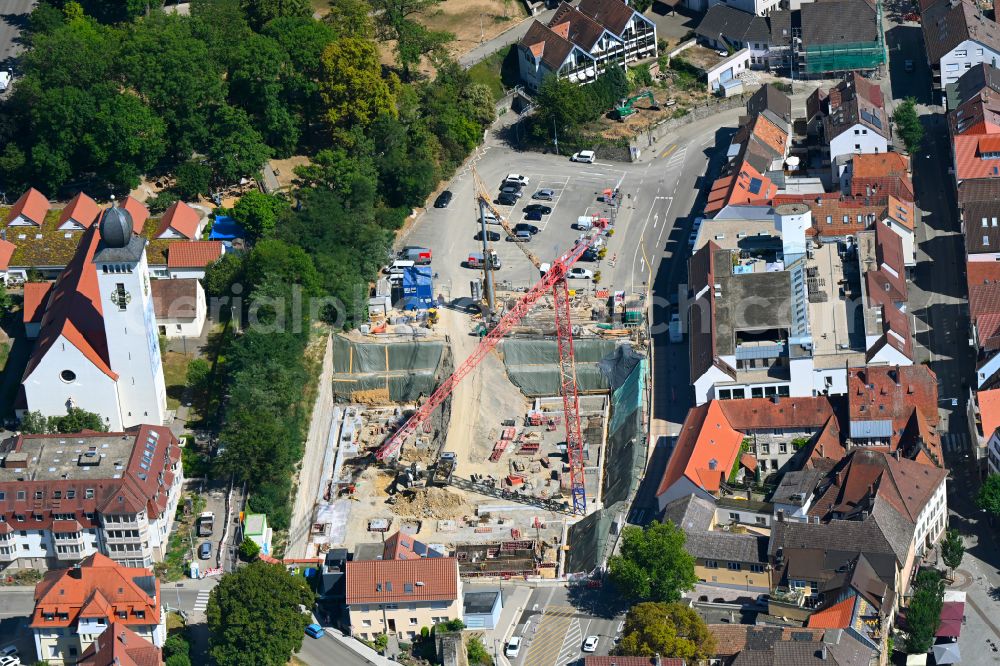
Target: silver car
x=544 y=194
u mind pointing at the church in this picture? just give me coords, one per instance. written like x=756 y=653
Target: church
x=98 y=346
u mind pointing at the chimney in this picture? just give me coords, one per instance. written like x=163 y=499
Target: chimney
x=895 y=374
x=822 y=652
x=895 y=454
x=821 y=449
x=781 y=515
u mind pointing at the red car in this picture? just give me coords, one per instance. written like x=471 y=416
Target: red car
x=912 y=16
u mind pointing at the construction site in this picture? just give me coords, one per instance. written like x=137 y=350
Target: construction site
x=498 y=429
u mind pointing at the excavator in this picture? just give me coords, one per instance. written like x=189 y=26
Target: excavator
x=625 y=108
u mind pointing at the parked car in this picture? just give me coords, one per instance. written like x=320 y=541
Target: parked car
x=580 y=273
x=506 y=199
x=520 y=237
x=315 y=631
x=541 y=208
x=9 y=651
x=492 y=236
x=530 y=228
x=513 y=647
x=443 y=199
x=10 y=661
x=421 y=256
x=586 y=156
x=512 y=189
x=475 y=260
x=908 y=65
x=533 y=216
x=544 y=194
x=590 y=645
x=590 y=254
x=516 y=178
x=205 y=550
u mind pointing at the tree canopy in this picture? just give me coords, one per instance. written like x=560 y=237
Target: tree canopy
x=668 y=630
x=952 y=549
x=988 y=497
x=653 y=565
x=254 y=617
x=923 y=614
x=908 y=125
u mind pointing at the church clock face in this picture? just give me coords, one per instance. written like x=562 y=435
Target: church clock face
x=121 y=297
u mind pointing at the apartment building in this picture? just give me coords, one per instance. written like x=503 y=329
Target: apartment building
x=579 y=43
x=958 y=37
x=66 y=497
x=75 y=607
x=400 y=596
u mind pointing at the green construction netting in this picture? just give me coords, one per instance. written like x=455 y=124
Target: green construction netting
x=406 y=369
x=533 y=365
x=588 y=540
x=626 y=447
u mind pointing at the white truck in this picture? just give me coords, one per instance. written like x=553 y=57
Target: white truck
x=675 y=329
x=206 y=524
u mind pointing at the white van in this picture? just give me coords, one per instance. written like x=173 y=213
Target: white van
x=587 y=156
x=585 y=223
x=513 y=647
x=397 y=267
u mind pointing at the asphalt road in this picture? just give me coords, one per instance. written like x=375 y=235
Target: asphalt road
x=13 y=18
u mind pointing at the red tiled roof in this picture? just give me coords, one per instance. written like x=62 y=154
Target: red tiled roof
x=576 y=26
x=731 y=639
x=837 y=215
x=887 y=283
x=770 y=134
x=896 y=393
x=67 y=591
x=989 y=410
x=81 y=209
x=612 y=14
x=6 y=252
x=120 y=646
x=765 y=413
x=901 y=211
x=547 y=44
x=706 y=436
x=196 y=254
x=181 y=218
x=746 y=186
x=32 y=205
x=36 y=295
x=74 y=311
x=881 y=174
x=138 y=211
x=837 y=616
x=632 y=661
x=175 y=298
x=971 y=125
x=880 y=164
x=984 y=301
x=402 y=581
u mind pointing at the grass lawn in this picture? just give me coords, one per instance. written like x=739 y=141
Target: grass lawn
x=174 y=623
x=498 y=72
x=175 y=376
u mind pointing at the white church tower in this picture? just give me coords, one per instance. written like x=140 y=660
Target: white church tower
x=129 y=321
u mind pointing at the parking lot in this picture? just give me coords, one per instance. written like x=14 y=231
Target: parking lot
x=451 y=232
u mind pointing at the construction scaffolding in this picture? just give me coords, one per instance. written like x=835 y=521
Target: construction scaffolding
x=845 y=57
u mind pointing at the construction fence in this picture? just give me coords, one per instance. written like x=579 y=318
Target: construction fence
x=383 y=372
x=533 y=365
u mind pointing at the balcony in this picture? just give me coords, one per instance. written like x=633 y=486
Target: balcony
x=8 y=553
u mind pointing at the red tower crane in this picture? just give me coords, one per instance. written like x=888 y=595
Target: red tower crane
x=554 y=280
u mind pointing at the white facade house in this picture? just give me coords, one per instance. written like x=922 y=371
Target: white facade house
x=993 y=452
x=758 y=7
x=958 y=37
x=962 y=58
x=98 y=347
x=855 y=139
x=852 y=118
x=180 y=307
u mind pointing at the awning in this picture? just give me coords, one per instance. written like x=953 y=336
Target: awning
x=947 y=653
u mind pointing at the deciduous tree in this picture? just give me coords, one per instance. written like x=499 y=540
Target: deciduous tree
x=952 y=549
x=352 y=87
x=258 y=213
x=653 y=565
x=259 y=12
x=254 y=617
x=397 y=20
x=235 y=149
x=923 y=615
x=669 y=630
x=988 y=497
x=908 y=125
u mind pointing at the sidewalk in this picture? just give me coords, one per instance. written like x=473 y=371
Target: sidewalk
x=514 y=602
x=509 y=36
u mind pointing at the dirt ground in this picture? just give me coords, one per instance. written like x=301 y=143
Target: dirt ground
x=470 y=21
x=646 y=116
x=284 y=169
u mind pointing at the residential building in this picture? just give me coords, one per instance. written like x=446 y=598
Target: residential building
x=65 y=497
x=840 y=36
x=850 y=118
x=749 y=645
x=901 y=216
x=402 y=546
x=794 y=496
x=732 y=640
x=895 y=409
x=190 y=260
x=988 y=412
x=769 y=348
x=984 y=313
x=74 y=607
x=974 y=127
x=757 y=7
x=593 y=660
x=875 y=175
x=401 y=596
x=29 y=210
x=79 y=213
x=179 y=307
x=972 y=80
x=181 y=221
x=120 y=646
x=580 y=43
x=722 y=558
x=98 y=334
x=979 y=210
x=727 y=28
x=958 y=37
x=769 y=98
x=883 y=297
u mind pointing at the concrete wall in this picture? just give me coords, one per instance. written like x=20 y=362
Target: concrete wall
x=647 y=139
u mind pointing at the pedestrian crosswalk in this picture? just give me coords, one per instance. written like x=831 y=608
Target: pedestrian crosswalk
x=571 y=644
x=201 y=602
x=549 y=637
x=955 y=442
x=677 y=157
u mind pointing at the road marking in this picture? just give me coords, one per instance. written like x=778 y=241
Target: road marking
x=550 y=635
x=571 y=643
x=201 y=602
x=668 y=150
x=642 y=234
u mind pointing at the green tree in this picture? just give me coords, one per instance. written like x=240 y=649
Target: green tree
x=397 y=20
x=175 y=644
x=923 y=615
x=77 y=420
x=192 y=179
x=653 y=565
x=952 y=549
x=908 y=125
x=235 y=149
x=259 y=12
x=668 y=630
x=254 y=617
x=177 y=660
x=561 y=106
x=34 y=423
x=258 y=213
x=249 y=550
x=351 y=18
x=223 y=274
x=264 y=83
x=5 y=300
x=126 y=139
x=988 y=497
x=275 y=259
x=477 y=653
x=605 y=92
x=352 y=87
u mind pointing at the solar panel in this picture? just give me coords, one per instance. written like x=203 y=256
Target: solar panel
x=871 y=119
x=755 y=185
